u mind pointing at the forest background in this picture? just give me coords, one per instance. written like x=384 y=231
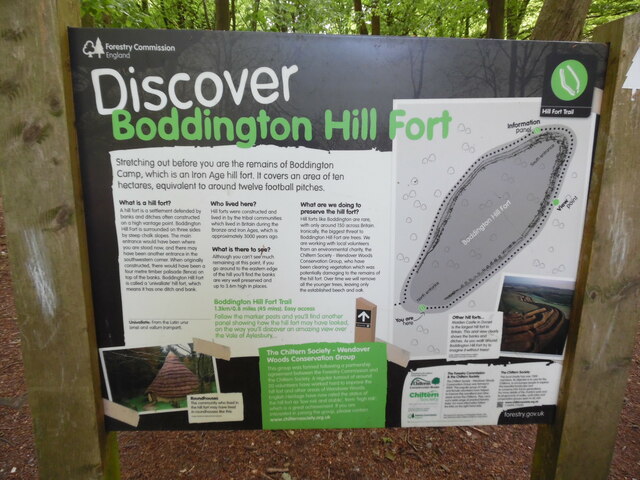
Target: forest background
x=510 y=19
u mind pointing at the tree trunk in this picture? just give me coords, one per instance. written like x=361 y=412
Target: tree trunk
x=233 y=15
x=222 y=15
x=375 y=19
x=206 y=14
x=180 y=15
x=375 y=24
x=515 y=14
x=362 y=26
x=253 y=25
x=561 y=20
x=280 y=17
x=165 y=18
x=495 y=19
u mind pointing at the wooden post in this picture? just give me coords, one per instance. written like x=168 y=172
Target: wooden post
x=581 y=442
x=41 y=190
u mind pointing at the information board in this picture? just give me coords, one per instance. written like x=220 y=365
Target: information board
x=297 y=231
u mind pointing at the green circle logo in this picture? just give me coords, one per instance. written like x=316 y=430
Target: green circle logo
x=569 y=80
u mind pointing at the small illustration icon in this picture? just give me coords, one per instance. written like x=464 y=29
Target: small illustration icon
x=419 y=381
x=91 y=48
x=569 y=80
x=363 y=318
x=632 y=78
x=366 y=313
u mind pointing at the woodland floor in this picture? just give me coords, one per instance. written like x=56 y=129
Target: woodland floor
x=494 y=453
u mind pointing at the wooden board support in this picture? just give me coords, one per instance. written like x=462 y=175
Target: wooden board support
x=581 y=442
x=45 y=232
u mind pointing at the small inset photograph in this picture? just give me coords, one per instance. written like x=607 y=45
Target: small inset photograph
x=157 y=379
x=535 y=314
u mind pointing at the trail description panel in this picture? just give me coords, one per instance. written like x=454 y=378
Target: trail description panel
x=275 y=220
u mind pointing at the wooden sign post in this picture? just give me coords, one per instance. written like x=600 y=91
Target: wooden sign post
x=45 y=230
x=581 y=442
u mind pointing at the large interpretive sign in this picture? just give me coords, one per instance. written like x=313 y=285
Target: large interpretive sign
x=291 y=231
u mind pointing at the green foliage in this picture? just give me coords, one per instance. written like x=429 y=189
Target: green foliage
x=116 y=13
x=461 y=18
x=434 y=18
x=605 y=11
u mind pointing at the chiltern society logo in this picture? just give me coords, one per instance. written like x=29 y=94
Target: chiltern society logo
x=418 y=382
x=569 y=80
x=92 y=48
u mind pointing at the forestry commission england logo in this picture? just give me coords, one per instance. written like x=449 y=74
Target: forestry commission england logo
x=123 y=51
x=92 y=48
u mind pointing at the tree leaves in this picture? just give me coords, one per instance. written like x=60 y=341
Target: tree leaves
x=433 y=18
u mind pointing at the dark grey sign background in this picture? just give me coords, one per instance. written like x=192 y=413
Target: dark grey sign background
x=335 y=72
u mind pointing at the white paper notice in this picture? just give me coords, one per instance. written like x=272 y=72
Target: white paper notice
x=215 y=407
x=474 y=335
x=479 y=394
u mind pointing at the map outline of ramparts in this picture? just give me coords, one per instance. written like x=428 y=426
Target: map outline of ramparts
x=509 y=212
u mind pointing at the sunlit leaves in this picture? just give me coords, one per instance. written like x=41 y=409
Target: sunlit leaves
x=434 y=18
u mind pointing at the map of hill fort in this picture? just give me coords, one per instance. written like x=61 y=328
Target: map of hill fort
x=496 y=208
x=503 y=193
